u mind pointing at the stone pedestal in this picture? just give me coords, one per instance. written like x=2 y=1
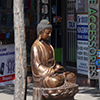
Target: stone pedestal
x=64 y=92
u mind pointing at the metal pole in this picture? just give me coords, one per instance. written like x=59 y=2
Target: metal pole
x=64 y=31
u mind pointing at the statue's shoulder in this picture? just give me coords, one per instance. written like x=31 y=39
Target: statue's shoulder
x=36 y=44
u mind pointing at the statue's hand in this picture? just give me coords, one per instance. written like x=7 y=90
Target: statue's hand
x=52 y=71
x=51 y=62
x=59 y=68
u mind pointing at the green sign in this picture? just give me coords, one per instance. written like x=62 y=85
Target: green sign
x=93 y=37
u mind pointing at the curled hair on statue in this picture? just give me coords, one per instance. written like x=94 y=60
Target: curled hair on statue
x=44 y=24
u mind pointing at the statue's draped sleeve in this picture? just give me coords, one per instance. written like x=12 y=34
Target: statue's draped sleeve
x=38 y=61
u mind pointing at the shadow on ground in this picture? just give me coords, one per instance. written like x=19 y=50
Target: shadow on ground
x=30 y=89
x=93 y=92
x=9 y=89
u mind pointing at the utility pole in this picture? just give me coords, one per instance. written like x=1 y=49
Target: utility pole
x=20 y=51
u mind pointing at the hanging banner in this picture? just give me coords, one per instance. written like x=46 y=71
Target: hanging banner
x=82 y=43
x=93 y=37
x=7 y=64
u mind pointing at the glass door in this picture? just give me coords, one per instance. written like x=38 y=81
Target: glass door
x=71 y=36
x=56 y=20
x=51 y=10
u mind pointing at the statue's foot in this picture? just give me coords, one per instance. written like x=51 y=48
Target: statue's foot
x=71 y=77
x=54 y=81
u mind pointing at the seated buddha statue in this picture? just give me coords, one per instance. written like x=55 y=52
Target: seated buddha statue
x=45 y=71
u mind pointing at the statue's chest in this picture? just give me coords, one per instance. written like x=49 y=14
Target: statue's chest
x=48 y=55
x=48 y=51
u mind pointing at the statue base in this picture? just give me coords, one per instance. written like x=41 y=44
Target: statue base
x=64 y=92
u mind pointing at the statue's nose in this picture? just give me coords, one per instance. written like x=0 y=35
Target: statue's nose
x=50 y=34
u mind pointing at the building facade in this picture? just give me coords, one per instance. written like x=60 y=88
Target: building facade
x=70 y=30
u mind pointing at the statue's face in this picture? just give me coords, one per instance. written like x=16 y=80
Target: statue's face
x=46 y=34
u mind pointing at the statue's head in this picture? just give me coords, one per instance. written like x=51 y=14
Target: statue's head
x=44 y=24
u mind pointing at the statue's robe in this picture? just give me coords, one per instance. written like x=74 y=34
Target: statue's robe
x=42 y=63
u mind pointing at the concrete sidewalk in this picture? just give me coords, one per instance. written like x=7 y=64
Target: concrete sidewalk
x=7 y=92
x=85 y=93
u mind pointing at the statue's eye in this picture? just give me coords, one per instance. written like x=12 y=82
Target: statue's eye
x=47 y=32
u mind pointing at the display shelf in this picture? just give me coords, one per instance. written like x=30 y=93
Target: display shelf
x=30 y=19
x=6 y=10
x=6 y=27
x=30 y=26
x=30 y=11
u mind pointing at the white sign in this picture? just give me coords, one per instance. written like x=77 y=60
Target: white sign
x=45 y=1
x=82 y=43
x=70 y=21
x=7 y=64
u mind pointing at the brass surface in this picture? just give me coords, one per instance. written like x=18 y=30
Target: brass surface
x=64 y=92
x=46 y=72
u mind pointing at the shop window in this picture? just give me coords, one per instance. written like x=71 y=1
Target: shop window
x=71 y=36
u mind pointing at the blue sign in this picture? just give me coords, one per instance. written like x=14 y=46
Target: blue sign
x=72 y=24
x=97 y=62
x=8 y=35
x=82 y=44
x=82 y=19
x=54 y=10
x=82 y=32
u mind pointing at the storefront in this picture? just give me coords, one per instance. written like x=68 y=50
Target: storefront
x=82 y=38
x=69 y=19
x=61 y=14
x=75 y=38
x=7 y=53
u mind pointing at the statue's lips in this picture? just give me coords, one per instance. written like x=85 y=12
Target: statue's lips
x=48 y=38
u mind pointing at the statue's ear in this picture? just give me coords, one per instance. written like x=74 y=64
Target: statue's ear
x=40 y=32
